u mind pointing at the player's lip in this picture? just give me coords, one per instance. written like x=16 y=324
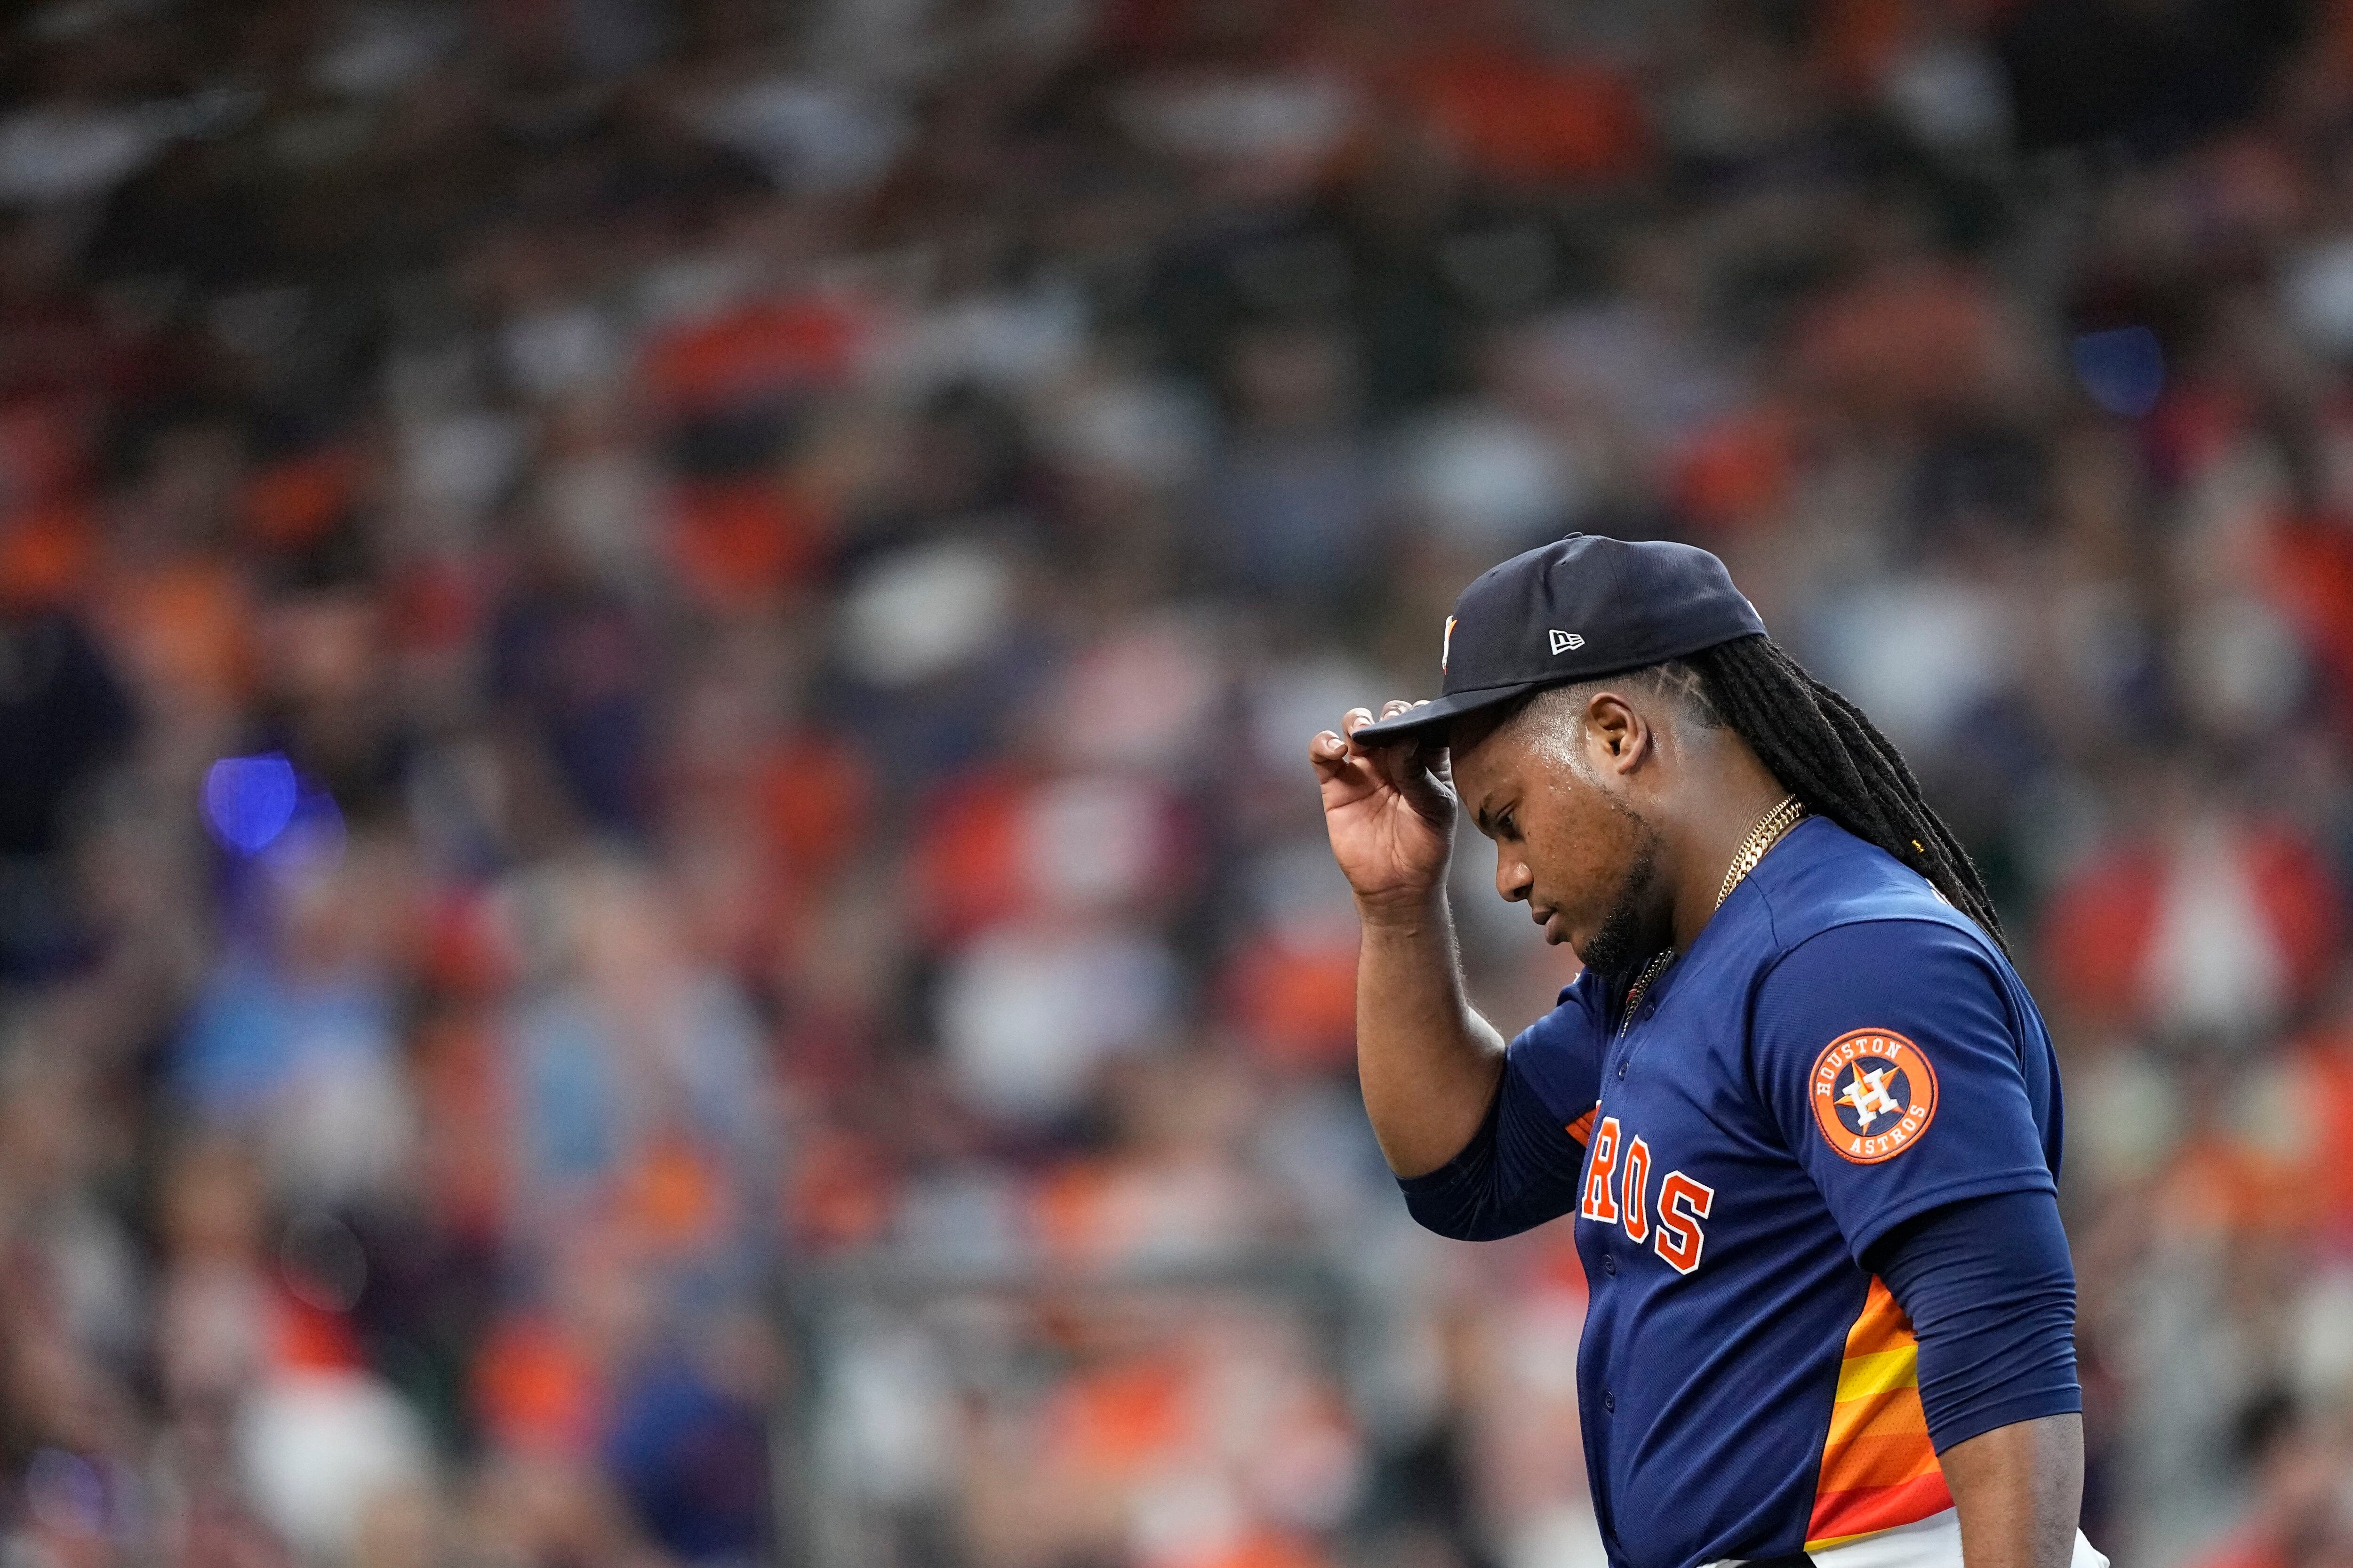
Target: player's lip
x=1548 y=918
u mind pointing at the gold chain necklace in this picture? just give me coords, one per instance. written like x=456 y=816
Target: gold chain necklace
x=1769 y=830
x=1761 y=838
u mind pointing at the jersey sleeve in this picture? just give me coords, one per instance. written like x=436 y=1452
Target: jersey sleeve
x=1560 y=1053
x=1521 y=1168
x=1888 y=1053
x=1990 y=1293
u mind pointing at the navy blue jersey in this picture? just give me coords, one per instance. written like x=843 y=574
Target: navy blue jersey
x=1840 y=1052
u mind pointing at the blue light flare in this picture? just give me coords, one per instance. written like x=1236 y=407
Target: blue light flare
x=249 y=801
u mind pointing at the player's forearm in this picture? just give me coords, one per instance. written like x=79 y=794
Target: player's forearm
x=1428 y=1062
x=2020 y=1491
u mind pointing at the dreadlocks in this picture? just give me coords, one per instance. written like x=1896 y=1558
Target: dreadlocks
x=1833 y=759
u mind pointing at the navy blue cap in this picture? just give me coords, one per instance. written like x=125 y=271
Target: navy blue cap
x=1577 y=608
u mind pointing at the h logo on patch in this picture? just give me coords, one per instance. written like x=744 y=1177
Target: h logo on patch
x=1563 y=641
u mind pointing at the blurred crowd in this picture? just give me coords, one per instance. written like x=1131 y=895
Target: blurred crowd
x=660 y=898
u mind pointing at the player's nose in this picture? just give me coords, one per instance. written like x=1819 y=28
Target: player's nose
x=1512 y=878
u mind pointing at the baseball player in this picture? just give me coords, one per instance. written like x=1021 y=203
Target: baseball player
x=1803 y=1110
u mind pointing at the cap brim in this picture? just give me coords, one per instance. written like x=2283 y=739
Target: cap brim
x=1430 y=720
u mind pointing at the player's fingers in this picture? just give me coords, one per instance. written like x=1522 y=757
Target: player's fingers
x=1342 y=777
x=1374 y=754
x=1434 y=766
x=1395 y=767
x=1359 y=717
x=1338 y=762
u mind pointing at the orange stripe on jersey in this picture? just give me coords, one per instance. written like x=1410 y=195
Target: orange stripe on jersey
x=1884 y=1508
x=1582 y=1128
x=1879 y=1470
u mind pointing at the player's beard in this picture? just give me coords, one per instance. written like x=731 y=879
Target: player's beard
x=1627 y=938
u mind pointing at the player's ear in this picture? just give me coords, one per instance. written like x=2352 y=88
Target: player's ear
x=1615 y=735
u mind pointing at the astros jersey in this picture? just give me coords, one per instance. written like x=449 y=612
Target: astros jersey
x=1838 y=1052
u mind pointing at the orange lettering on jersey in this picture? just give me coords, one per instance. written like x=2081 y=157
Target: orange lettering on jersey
x=1682 y=1204
x=1600 y=1203
x=1873 y=1094
x=1638 y=1177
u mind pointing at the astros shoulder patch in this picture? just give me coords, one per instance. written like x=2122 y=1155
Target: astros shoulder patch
x=1873 y=1094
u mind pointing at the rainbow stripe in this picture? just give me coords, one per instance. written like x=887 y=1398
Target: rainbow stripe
x=1879 y=1470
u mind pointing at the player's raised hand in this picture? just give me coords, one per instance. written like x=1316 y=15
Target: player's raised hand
x=1388 y=809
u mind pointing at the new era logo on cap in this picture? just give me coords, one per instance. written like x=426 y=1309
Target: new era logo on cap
x=1563 y=641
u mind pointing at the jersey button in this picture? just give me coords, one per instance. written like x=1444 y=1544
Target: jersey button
x=1609 y=1263
x=1609 y=1402
x=1621 y=1070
